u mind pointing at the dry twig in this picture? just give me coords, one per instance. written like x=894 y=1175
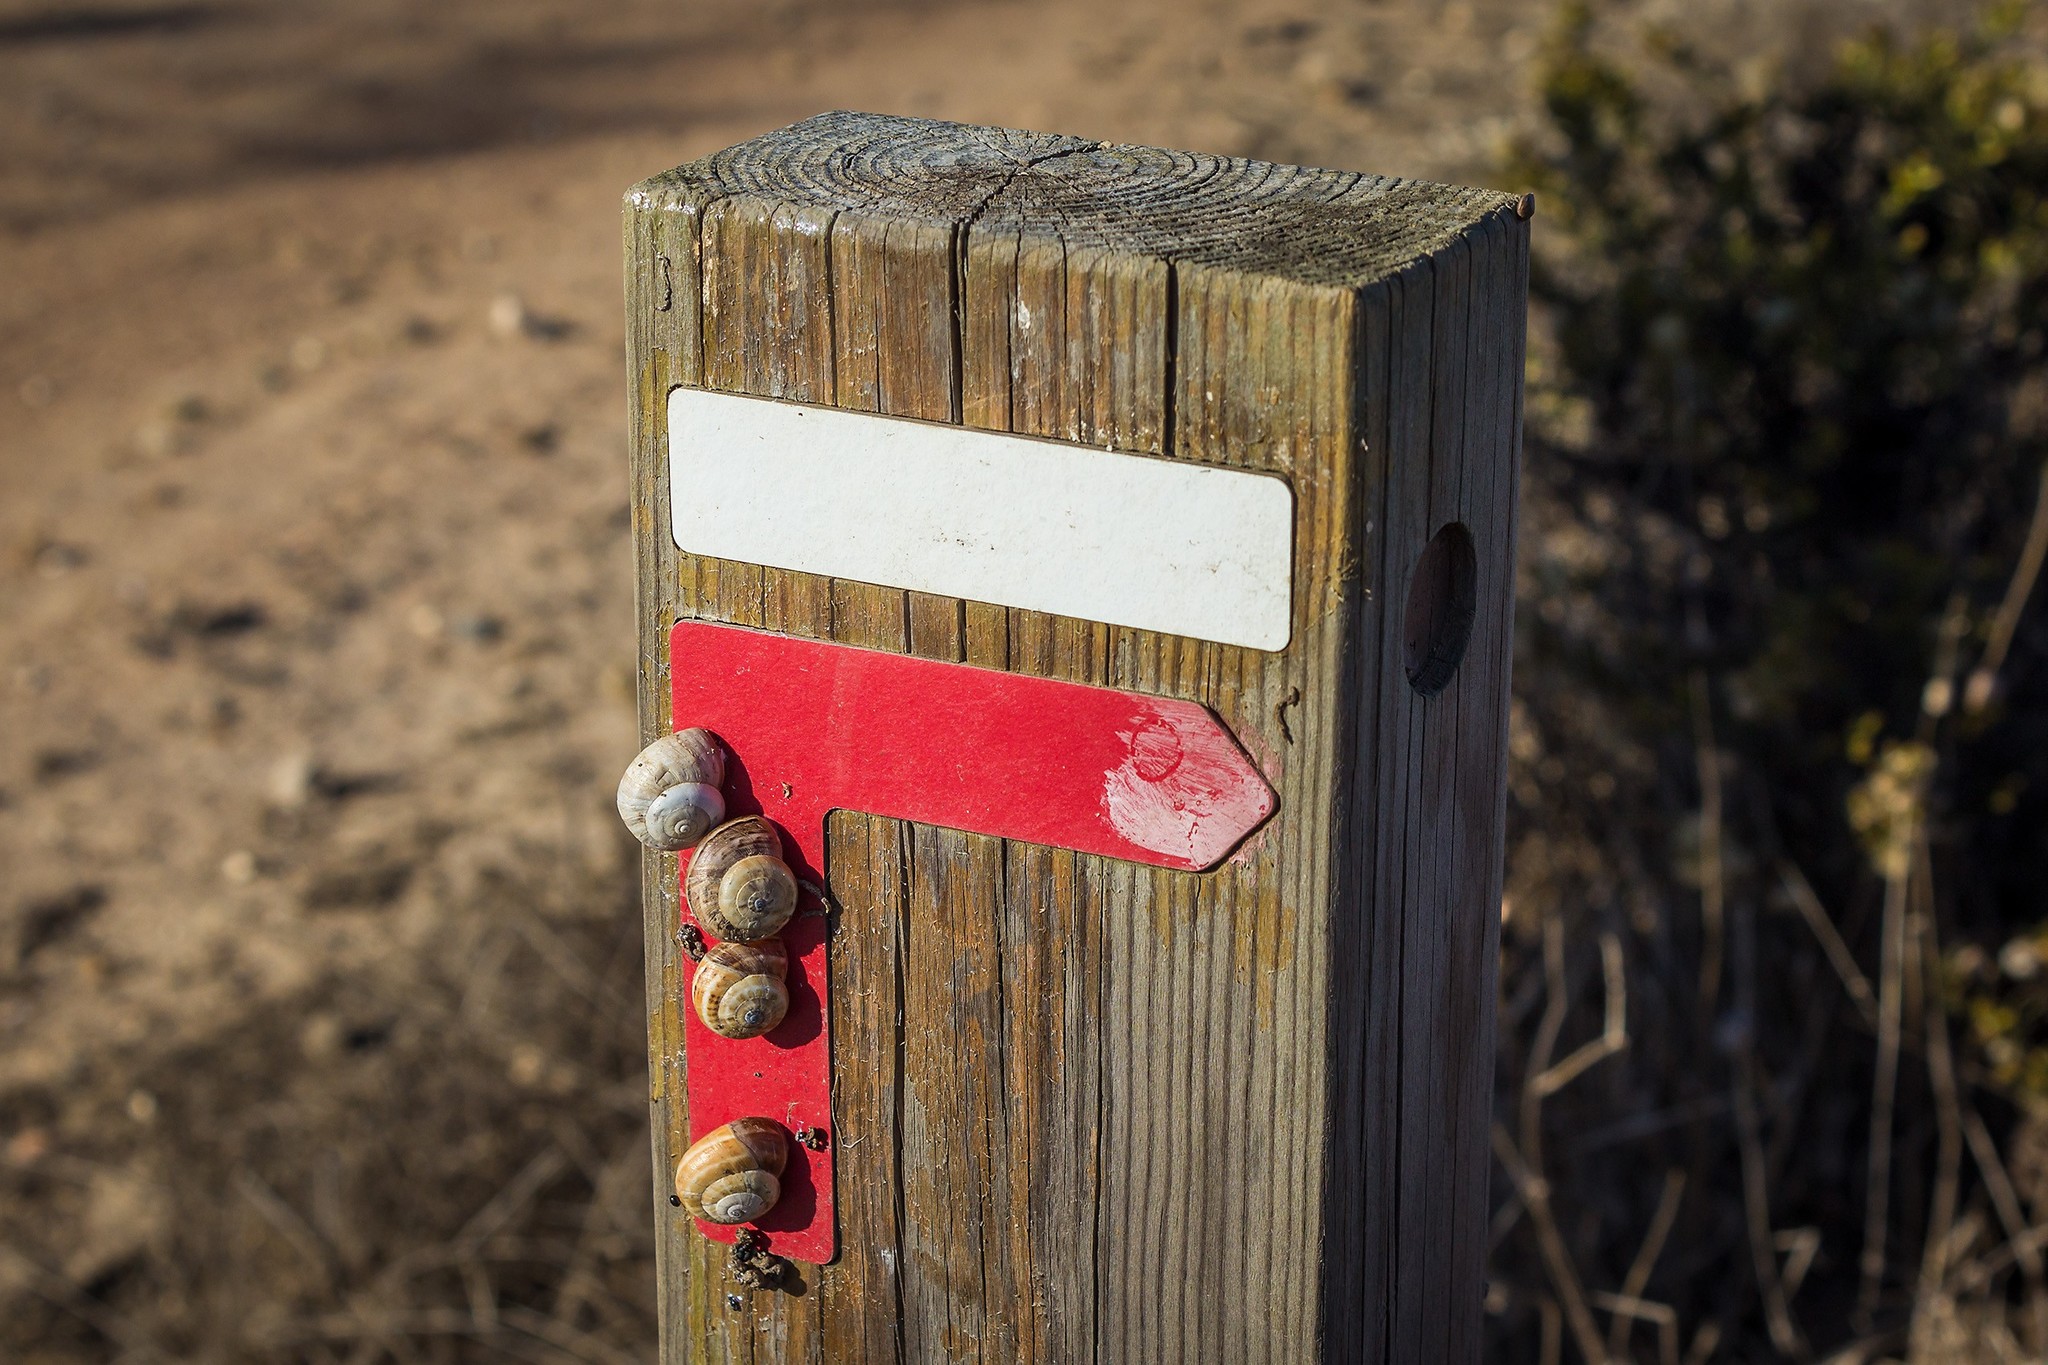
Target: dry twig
x=1883 y=1096
x=1614 y=1030
x=1839 y=956
x=285 y=1221
x=2005 y=1201
x=1557 y=1259
x=1627 y=1308
x=1800 y=1246
x=1525 y=1166
x=1743 y=1086
x=1983 y=682
x=1941 y=1074
x=1704 y=1343
x=1713 y=902
x=1638 y=1277
x=1756 y=1207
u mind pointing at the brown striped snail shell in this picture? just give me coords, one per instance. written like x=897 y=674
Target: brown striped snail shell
x=739 y=887
x=669 y=796
x=738 y=990
x=733 y=1174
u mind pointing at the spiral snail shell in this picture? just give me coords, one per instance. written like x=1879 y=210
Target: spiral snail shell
x=733 y=1173
x=669 y=796
x=739 y=887
x=738 y=990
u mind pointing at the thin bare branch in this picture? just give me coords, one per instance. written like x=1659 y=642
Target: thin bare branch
x=286 y=1222
x=1823 y=927
x=1983 y=683
x=1800 y=1246
x=1557 y=1259
x=2005 y=1201
x=1713 y=904
x=482 y=1294
x=1941 y=1075
x=1883 y=1097
x=1868 y=1349
x=1639 y=1270
x=1756 y=1208
x=1555 y=1006
x=1627 y=1308
x=1613 y=1033
x=1504 y=1220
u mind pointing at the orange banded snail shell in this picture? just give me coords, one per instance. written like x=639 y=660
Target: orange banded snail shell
x=738 y=989
x=669 y=796
x=733 y=1174
x=739 y=887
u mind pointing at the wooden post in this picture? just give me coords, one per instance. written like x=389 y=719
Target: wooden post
x=1088 y=1109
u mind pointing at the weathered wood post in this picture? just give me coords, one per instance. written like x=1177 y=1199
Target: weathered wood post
x=1108 y=1088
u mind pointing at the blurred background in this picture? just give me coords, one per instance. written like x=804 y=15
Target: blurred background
x=320 y=1034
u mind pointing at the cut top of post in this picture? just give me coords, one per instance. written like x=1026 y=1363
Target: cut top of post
x=1317 y=227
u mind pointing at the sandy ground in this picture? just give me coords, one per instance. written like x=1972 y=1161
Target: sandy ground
x=315 y=627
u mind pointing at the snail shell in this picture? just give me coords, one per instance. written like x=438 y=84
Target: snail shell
x=669 y=796
x=739 y=887
x=738 y=990
x=733 y=1174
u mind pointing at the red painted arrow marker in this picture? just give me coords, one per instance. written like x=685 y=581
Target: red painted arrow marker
x=811 y=727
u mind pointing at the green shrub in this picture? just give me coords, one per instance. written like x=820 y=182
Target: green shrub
x=1788 y=419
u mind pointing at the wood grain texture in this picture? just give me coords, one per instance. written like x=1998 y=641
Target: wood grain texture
x=1090 y=1111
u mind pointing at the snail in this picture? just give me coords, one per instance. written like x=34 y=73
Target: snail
x=733 y=1173
x=738 y=990
x=739 y=887
x=669 y=796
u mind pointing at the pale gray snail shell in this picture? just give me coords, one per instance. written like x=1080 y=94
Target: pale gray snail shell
x=670 y=794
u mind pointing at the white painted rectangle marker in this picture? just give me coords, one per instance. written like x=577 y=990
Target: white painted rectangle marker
x=1109 y=536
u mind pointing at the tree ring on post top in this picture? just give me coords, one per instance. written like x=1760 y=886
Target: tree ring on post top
x=1191 y=209
x=1442 y=600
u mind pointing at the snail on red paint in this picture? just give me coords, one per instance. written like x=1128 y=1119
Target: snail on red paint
x=738 y=988
x=669 y=796
x=733 y=1174
x=739 y=886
